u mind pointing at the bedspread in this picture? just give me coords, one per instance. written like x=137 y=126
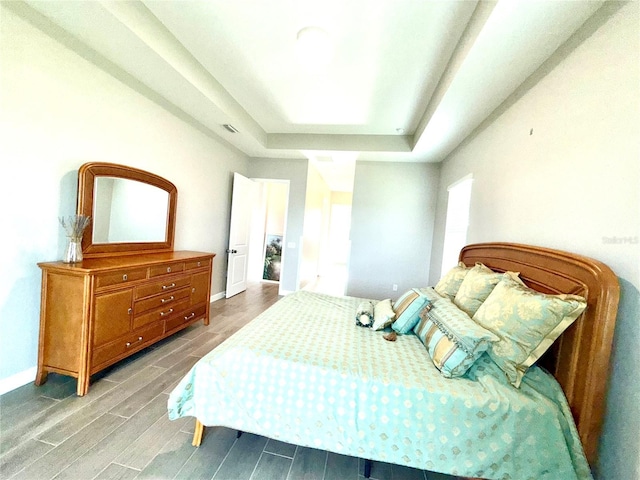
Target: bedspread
x=302 y=372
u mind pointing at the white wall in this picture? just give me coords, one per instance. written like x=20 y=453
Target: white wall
x=572 y=185
x=316 y=218
x=392 y=222
x=57 y=112
x=338 y=244
x=277 y=193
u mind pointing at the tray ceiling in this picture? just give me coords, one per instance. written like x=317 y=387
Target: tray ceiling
x=407 y=80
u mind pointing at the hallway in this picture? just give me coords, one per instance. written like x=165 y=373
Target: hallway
x=332 y=282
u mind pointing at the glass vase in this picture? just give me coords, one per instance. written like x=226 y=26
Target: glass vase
x=73 y=254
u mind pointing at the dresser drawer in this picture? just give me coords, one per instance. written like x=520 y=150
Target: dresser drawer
x=126 y=344
x=184 y=317
x=160 y=313
x=166 y=269
x=161 y=286
x=205 y=262
x=167 y=299
x=120 y=277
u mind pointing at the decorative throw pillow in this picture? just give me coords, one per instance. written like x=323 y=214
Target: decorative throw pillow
x=364 y=314
x=430 y=293
x=475 y=288
x=407 y=309
x=454 y=341
x=383 y=314
x=527 y=323
x=450 y=283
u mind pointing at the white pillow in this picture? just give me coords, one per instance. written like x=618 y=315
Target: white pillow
x=383 y=314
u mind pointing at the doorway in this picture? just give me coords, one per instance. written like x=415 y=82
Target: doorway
x=333 y=263
x=268 y=232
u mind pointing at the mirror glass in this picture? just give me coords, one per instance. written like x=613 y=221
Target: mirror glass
x=126 y=210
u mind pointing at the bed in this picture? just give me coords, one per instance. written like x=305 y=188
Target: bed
x=303 y=373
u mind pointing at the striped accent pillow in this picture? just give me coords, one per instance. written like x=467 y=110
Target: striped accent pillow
x=407 y=309
x=454 y=341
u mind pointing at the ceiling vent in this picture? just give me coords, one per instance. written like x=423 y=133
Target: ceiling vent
x=230 y=128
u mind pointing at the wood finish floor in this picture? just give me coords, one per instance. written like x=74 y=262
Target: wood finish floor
x=120 y=429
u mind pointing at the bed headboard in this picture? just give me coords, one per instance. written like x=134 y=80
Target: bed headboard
x=579 y=359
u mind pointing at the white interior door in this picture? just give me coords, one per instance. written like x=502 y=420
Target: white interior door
x=242 y=199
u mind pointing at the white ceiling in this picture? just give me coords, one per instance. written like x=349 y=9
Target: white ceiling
x=408 y=79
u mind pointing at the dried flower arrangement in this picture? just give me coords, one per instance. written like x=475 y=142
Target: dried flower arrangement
x=74 y=226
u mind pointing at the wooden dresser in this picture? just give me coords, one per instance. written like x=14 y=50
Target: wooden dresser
x=101 y=310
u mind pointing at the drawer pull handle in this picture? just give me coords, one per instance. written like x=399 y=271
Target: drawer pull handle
x=165 y=287
x=130 y=311
x=199 y=263
x=124 y=277
x=193 y=290
x=168 y=269
x=162 y=314
x=189 y=317
x=167 y=299
x=130 y=343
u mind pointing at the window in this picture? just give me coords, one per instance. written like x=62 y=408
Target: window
x=455 y=233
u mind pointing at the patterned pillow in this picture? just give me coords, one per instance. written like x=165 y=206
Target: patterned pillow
x=454 y=341
x=383 y=314
x=449 y=284
x=430 y=293
x=407 y=309
x=475 y=288
x=364 y=314
x=527 y=323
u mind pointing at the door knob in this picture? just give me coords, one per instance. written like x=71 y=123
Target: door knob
x=231 y=251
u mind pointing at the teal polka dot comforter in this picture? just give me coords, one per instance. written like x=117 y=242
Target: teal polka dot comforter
x=302 y=372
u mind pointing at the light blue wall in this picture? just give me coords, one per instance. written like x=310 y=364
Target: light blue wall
x=392 y=219
x=59 y=111
x=572 y=185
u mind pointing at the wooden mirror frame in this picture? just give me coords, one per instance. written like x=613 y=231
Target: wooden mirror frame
x=87 y=174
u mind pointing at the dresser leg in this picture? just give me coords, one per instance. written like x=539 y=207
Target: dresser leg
x=197 y=434
x=41 y=376
x=83 y=384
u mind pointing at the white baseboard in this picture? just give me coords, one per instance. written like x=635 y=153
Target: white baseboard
x=217 y=296
x=17 y=380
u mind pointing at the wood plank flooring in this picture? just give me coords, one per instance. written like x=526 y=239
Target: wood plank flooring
x=120 y=429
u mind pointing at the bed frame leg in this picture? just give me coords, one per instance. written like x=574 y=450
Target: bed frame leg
x=367 y=468
x=197 y=434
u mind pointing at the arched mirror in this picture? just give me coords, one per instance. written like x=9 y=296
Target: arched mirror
x=132 y=211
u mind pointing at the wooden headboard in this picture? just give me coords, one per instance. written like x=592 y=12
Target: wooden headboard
x=579 y=359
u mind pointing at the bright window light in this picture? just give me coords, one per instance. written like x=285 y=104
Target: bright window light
x=457 y=223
